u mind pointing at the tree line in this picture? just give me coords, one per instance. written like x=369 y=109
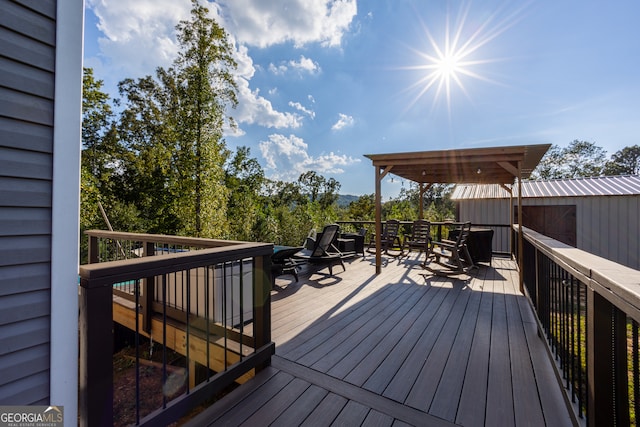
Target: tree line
x=161 y=164
x=582 y=159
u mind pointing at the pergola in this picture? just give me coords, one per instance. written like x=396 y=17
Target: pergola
x=495 y=165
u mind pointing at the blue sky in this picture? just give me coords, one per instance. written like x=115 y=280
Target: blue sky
x=321 y=83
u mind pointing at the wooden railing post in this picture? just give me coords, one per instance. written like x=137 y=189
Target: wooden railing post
x=262 y=301
x=93 y=257
x=607 y=385
x=148 y=290
x=96 y=355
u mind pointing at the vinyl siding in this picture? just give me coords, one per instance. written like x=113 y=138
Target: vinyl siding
x=27 y=53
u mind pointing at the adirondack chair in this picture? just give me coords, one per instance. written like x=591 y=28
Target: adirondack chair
x=390 y=239
x=420 y=236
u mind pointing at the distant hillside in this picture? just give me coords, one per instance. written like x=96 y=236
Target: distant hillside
x=345 y=199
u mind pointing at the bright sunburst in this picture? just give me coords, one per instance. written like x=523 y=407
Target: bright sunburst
x=450 y=63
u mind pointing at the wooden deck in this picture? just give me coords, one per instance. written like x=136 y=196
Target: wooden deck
x=402 y=348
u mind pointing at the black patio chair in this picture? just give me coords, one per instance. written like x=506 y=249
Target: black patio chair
x=283 y=261
x=323 y=251
x=452 y=255
x=390 y=239
x=420 y=236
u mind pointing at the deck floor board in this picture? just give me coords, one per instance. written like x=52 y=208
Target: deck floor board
x=398 y=349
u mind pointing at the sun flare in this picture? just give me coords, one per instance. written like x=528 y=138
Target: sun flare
x=450 y=63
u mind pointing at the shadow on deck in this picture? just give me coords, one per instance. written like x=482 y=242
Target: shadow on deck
x=401 y=348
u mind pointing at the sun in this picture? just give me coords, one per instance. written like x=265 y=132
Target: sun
x=448 y=65
x=451 y=63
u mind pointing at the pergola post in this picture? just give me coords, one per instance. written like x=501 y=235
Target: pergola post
x=520 y=238
x=379 y=177
x=511 y=221
x=421 y=198
x=378 y=229
x=509 y=189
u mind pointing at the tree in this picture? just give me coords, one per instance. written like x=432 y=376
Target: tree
x=578 y=159
x=319 y=189
x=101 y=150
x=206 y=87
x=172 y=126
x=363 y=209
x=244 y=179
x=148 y=135
x=101 y=172
x=624 y=162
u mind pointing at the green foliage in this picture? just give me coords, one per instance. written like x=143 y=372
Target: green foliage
x=171 y=127
x=406 y=207
x=578 y=159
x=400 y=208
x=205 y=87
x=293 y=225
x=244 y=179
x=292 y=209
x=319 y=189
x=362 y=209
x=624 y=162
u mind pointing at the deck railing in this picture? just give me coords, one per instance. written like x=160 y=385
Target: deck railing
x=206 y=302
x=588 y=309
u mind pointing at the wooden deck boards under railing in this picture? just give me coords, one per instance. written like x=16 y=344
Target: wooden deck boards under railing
x=401 y=348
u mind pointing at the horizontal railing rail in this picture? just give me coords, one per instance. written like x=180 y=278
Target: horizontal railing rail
x=206 y=302
x=588 y=309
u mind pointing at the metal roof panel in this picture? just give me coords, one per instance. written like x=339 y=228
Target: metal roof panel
x=623 y=185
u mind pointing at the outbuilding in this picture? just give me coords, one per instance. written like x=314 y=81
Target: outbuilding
x=598 y=215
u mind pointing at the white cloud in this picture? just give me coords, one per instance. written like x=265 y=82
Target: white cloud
x=343 y=121
x=302 y=108
x=304 y=65
x=265 y=23
x=288 y=157
x=253 y=108
x=278 y=69
x=139 y=36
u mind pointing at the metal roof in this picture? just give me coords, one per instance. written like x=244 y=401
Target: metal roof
x=578 y=187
